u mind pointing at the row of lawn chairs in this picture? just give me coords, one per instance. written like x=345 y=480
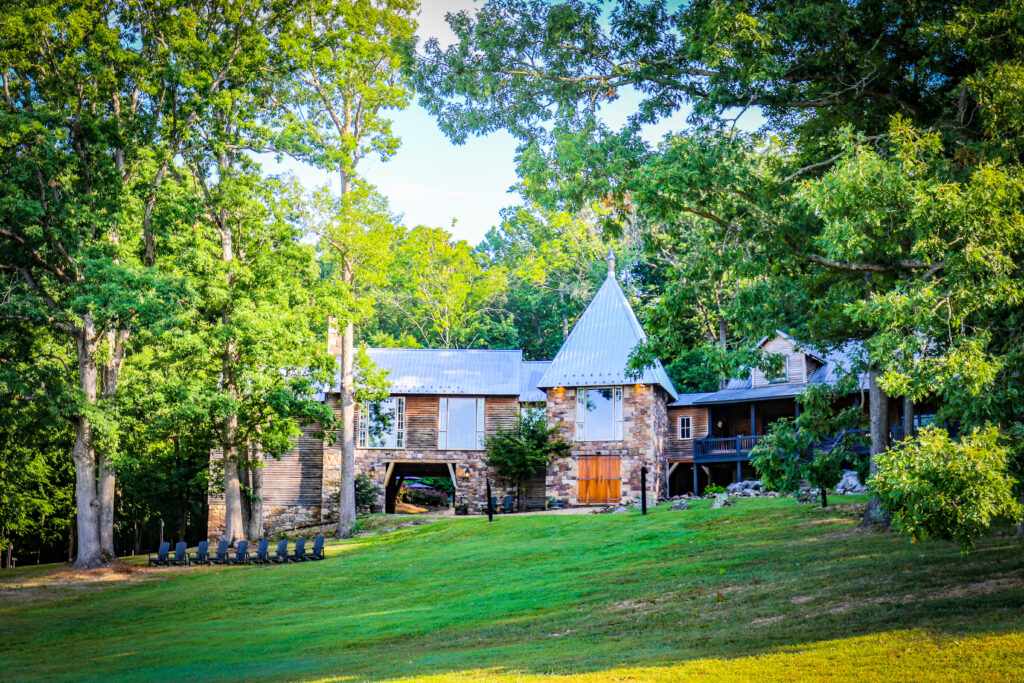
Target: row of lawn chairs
x=181 y=557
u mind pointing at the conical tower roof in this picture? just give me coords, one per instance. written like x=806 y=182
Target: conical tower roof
x=597 y=350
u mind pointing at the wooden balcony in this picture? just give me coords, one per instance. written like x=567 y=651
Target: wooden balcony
x=732 y=448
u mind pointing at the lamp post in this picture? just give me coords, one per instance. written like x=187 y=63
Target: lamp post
x=490 y=506
x=643 y=490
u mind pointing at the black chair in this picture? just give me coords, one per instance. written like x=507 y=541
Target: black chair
x=241 y=553
x=161 y=554
x=318 y=549
x=494 y=504
x=201 y=555
x=282 y=552
x=508 y=504
x=180 y=558
x=300 y=551
x=262 y=553
x=222 y=553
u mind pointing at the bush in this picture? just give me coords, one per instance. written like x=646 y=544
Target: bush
x=428 y=497
x=937 y=487
x=713 y=489
x=367 y=490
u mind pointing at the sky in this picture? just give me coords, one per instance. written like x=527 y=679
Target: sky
x=430 y=180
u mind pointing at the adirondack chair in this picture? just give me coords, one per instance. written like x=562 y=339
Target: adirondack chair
x=241 y=553
x=222 y=553
x=180 y=558
x=161 y=554
x=300 y=551
x=318 y=549
x=201 y=555
x=282 y=552
x=508 y=504
x=262 y=553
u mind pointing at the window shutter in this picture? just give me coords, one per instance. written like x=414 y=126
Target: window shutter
x=400 y=422
x=581 y=414
x=618 y=413
x=361 y=423
x=481 y=419
x=442 y=424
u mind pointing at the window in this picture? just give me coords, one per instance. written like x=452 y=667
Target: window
x=599 y=414
x=382 y=424
x=784 y=377
x=685 y=427
x=460 y=424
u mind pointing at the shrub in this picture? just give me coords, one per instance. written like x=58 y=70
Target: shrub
x=937 y=487
x=428 y=497
x=367 y=490
x=517 y=454
x=713 y=489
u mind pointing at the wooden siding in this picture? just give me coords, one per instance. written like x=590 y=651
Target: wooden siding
x=421 y=418
x=682 y=449
x=296 y=478
x=797 y=363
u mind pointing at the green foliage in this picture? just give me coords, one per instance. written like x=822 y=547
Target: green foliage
x=367 y=490
x=817 y=444
x=518 y=453
x=714 y=490
x=938 y=487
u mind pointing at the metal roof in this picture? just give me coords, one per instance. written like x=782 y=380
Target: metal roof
x=472 y=372
x=835 y=362
x=532 y=371
x=597 y=350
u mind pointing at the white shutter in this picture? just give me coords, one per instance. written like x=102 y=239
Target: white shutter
x=617 y=410
x=361 y=425
x=481 y=418
x=442 y=424
x=581 y=414
x=400 y=422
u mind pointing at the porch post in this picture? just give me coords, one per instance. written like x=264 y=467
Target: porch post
x=796 y=408
x=695 y=478
x=739 y=471
x=753 y=420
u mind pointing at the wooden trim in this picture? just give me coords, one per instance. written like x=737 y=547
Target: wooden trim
x=387 y=475
x=451 y=471
x=672 y=468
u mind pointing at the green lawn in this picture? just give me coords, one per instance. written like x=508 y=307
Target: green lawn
x=766 y=589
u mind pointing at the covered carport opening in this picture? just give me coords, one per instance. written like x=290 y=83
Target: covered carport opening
x=400 y=470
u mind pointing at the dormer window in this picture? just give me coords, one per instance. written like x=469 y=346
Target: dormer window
x=783 y=377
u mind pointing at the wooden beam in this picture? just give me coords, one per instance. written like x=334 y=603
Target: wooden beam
x=387 y=474
x=455 y=481
x=672 y=468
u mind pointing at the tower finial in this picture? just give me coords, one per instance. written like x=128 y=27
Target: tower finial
x=611 y=262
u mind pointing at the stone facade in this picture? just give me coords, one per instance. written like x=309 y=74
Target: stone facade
x=645 y=421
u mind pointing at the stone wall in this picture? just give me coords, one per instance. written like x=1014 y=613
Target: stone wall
x=645 y=421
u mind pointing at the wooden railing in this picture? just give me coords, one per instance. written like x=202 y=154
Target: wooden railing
x=727 y=448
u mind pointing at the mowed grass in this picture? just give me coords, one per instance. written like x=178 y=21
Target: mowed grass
x=765 y=590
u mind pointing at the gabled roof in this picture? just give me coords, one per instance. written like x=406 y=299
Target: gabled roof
x=835 y=363
x=799 y=347
x=470 y=372
x=597 y=350
x=530 y=375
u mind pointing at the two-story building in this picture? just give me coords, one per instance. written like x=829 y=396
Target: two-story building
x=445 y=403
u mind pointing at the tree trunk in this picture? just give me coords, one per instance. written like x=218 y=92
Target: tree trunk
x=83 y=453
x=105 y=498
x=347 y=492
x=255 y=527
x=878 y=405
x=182 y=492
x=232 y=495
x=233 y=528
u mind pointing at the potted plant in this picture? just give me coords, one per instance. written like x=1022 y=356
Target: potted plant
x=462 y=508
x=554 y=503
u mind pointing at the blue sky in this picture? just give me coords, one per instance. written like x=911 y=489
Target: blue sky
x=431 y=181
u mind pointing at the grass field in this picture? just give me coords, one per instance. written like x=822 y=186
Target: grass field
x=765 y=590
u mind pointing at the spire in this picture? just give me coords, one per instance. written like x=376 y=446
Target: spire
x=611 y=263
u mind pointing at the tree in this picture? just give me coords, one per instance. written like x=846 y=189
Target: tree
x=828 y=78
x=518 y=453
x=351 y=63
x=938 y=487
x=816 y=444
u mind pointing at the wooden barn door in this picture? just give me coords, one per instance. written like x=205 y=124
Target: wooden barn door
x=600 y=479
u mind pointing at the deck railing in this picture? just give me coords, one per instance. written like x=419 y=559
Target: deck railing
x=728 y=448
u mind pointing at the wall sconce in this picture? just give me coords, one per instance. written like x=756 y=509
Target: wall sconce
x=465 y=472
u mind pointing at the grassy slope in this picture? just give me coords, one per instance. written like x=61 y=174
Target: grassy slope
x=766 y=589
